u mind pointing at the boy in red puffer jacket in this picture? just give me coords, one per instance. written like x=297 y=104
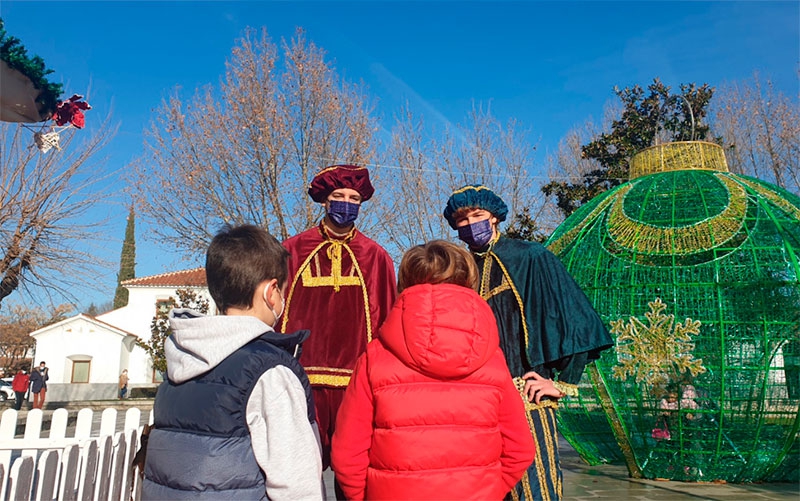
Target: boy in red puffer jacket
x=431 y=411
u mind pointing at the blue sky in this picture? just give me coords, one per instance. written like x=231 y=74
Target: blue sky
x=550 y=65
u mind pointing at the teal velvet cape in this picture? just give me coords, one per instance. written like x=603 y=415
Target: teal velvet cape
x=541 y=311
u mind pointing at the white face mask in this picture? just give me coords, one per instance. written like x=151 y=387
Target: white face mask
x=274 y=313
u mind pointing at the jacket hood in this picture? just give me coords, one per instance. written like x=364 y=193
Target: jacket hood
x=198 y=343
x=443 y=330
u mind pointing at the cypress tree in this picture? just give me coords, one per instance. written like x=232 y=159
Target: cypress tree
x=127 y=262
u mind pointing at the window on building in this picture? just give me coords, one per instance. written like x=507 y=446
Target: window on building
x=80 y=371
x=163 y=305
x=157 y=376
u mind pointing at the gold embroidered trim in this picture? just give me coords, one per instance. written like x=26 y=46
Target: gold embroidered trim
x=367 y=316
x=485 y=275
x=329 y=380
x=329 y=234
x=551 y=446
x=467 y=188
x=328 y=369
x=334 y=167
x=294 y=283
x=335 y=280
x=334 y=253
x=359 y=277
x=530 y=406
x=500 y=288
x=570 y=390
x=526 y=486
x=540 y=474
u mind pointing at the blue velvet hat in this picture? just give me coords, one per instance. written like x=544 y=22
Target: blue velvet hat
x=478 y=197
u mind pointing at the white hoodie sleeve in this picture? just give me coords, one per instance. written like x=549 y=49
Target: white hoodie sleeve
x=284 y=442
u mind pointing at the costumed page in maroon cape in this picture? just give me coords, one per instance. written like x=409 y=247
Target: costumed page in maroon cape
x=331 y=282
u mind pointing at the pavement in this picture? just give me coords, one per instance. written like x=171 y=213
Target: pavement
x=607 y=481
x=581 y=481
x=584 y=482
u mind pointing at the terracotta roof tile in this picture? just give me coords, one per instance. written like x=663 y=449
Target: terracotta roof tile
x=187 y=278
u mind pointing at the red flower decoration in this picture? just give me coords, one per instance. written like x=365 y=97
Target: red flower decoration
x=71 y=111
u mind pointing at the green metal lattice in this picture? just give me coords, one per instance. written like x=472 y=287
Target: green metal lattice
x=695 y=270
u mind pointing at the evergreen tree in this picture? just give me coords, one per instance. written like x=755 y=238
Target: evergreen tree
x=160 y=329
x=649 y=115
x=127 y=262
x=523 y=227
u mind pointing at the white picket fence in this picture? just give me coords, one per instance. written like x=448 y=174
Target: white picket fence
x=84 y=466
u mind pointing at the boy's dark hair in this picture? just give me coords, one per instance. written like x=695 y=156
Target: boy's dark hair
x=238 y=259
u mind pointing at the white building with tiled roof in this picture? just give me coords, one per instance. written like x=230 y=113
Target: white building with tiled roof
x=86 y=355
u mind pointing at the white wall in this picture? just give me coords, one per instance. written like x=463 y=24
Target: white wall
x=80 y=338
x=136 y=318
x=109 y=350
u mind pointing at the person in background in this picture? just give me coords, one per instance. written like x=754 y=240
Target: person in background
x=548 y=328
x=689 y=401
x=38 y=380
x=341 y=287
x=669 y=403
x=235 y=417
x=20 y=387
x=682 y=422
x=431 y=411
x=123 y=384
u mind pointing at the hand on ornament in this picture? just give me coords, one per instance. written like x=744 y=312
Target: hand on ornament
x=537 y=387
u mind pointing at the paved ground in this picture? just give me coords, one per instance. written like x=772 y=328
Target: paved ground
x=583 y=482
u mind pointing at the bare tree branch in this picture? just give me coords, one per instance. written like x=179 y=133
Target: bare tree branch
x=761 y=129
x=15 y=327
x=247 y=151
x=45 y=201
x=423 y=169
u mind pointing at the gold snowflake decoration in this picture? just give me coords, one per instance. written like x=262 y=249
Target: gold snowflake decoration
x=656 y=353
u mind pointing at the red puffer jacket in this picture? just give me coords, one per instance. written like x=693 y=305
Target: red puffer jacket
x=431 y=411
x=20 y=382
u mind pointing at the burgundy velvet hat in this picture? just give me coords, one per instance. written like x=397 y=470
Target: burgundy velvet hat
x=341 y=176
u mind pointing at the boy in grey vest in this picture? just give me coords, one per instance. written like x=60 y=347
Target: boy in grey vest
x=235 y=417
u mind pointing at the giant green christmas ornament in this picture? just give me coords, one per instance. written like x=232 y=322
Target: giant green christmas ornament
x=695 y=271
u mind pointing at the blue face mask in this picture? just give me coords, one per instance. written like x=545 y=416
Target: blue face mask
x=342 y=213
x=477 y=234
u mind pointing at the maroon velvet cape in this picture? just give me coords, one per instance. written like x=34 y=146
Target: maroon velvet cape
x=332 y=285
